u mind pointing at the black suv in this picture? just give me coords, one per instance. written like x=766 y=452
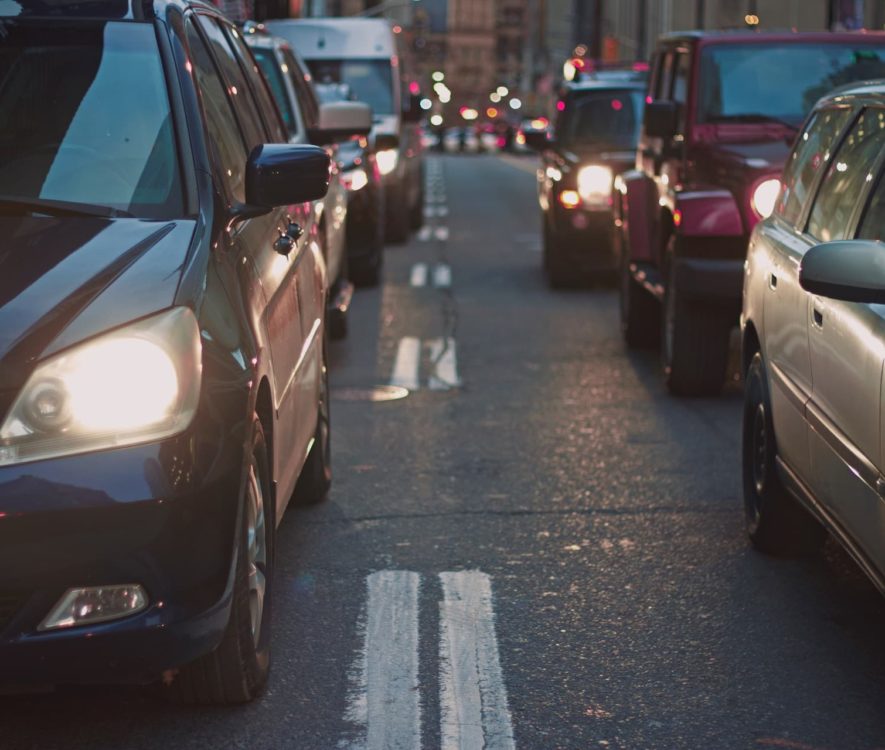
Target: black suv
x=163 y=383
x=593 y=139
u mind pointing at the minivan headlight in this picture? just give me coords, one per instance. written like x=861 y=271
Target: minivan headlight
x=136 y=384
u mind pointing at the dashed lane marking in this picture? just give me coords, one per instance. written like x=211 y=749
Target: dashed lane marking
x=407 y=363
x=384 y=704
x=418 y=277
x=442 y=276
x=473 y=699
x=425 y=233
x=443 y=354
x=441 y=233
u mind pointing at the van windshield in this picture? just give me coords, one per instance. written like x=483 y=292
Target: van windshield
x=85 y=119
x=370 y=81
x=779 y=82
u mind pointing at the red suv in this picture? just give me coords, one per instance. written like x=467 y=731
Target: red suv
x=722 y=110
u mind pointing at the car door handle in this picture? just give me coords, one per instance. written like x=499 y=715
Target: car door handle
x=284 y=244
x=818 y=317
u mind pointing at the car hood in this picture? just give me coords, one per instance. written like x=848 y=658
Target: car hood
x=754 y=155
x=63 y=280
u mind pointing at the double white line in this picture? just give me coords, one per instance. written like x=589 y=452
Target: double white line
x=443 y=360
x=384 y=705
x=441 y=277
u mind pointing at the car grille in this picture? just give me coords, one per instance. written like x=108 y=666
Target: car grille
x=10 y=603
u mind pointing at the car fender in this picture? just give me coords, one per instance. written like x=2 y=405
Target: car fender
x=635 y=214
x=706 y=212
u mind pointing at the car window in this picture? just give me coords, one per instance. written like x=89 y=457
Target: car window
x=665 y=78
x=266 y=104
x=238 y=89
x=85 y=118
x=846 y=176
x=873 y=225
x=307 y=100
x=680 y=86
x=270 y=66
x=604 y=119
x=809 y=156
x=224 y=134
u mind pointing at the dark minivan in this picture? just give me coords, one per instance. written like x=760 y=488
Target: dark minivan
x=163 y=386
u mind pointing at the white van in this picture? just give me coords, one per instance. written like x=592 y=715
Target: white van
x=362 y=53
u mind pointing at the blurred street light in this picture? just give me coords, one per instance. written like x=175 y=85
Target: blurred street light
x=503 y=91
x=515 y=103
x=495 y=97
x=438 y=76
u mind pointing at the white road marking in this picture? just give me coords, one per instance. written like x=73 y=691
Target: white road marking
x=441 y=233
x=431 y=211
x=442 y=276
x=473 y=700
x=425 y=233
x=418 y=276
x=406 y=364
x=385 y=703
x=444 y=356
x=436 y=198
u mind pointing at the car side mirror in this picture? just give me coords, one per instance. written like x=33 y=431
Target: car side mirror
x=538 y=140
x=280 y=174
x=849 y=270
x=661 y=119
x=341 y=121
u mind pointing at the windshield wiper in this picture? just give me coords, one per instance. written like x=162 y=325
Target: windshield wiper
x=753 y=117
x=11 y=205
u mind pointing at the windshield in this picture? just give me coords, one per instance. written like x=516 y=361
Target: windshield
x=271 y=69
x=608 y=119
x=370 y=81
x=85 y=119
x=756 y=82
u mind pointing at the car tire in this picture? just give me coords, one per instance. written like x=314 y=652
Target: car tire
x=397 y=218
x=237 y=670
x=316 y=475
x=557 y=274
x=694 y=344
x=640 y=311
x=416 y=215
x=776 y=523
x=368 y=272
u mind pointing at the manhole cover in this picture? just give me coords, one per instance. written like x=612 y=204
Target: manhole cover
x=375 y=393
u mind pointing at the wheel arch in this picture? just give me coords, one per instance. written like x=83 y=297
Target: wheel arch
x=750 y=344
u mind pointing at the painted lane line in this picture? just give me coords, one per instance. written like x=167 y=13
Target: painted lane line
x=406 y=364
x=384 y=703
x=473 y=700
x=442 y=276
x=444 y=357
x=418 y=276
x=442 y=211
x=431 y=211
x=441 y=233
x=425 y=233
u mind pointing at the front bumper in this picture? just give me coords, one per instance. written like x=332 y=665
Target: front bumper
x=132 y=515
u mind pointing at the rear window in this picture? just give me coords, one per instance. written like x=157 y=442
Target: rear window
x=370 y=81
x=85 y=118
x=605 y=119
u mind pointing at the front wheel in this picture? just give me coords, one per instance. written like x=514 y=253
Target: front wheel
x=694 y=344
x=237 y=670
x=776 y=523
x=554 y=265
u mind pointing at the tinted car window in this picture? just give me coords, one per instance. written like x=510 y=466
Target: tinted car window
x=680 y=86
x=266 y=104
x=370 y=80
x=271 y=68
x=873 y=225
x=225 y=138
x=755 y=82
x=85 y=118
x=232 y=74
x=301 y=80
x=810 y=154
x=846 y=176
x=608 y=119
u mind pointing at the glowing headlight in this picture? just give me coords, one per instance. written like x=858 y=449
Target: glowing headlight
x=595 y=183
x=133 y=385
x=764 y=197
x=387 y=160
x=355 y=179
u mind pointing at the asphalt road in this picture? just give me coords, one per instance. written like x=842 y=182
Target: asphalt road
x=537 y=548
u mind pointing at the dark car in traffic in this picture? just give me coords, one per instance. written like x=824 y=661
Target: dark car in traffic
x=593 y=139
x=163 y=381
